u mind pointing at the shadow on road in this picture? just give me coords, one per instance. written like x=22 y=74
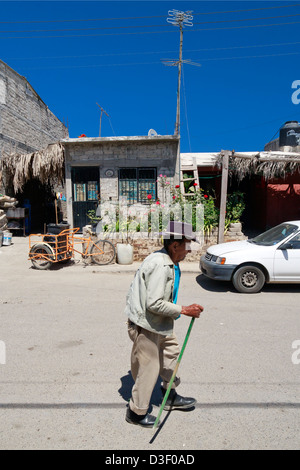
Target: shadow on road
x=226 y=286
x=156 y=399
x=214 y=286
x=127 y=383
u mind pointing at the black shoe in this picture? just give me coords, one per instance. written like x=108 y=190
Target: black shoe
x=176 y=401
x=147 y=420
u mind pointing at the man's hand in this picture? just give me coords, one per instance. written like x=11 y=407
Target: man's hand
x=193 y=310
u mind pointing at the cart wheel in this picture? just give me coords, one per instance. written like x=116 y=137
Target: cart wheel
x=103 y=252
x=41 y=256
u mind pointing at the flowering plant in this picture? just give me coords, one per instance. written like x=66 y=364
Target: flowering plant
x=163 y=181
x=235 y=207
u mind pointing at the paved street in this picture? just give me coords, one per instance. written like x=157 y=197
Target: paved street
x=66 y=379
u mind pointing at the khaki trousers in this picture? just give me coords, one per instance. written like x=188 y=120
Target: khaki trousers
x=152 y=355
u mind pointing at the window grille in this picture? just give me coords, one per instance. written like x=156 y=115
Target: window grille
x=136 y=184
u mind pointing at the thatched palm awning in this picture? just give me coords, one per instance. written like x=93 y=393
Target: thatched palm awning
x=47 y=165
x=268 y=164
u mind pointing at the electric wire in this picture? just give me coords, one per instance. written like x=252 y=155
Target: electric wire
x=251 y=56
x=127 y=64
x=159 y=32
x=109 y=119
x=245 y=26
x=145 y=26
x=249 y=9
x=154 y=52
x=147 y=17
x=148 y=32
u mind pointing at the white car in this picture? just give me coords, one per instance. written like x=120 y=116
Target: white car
x=273 y=256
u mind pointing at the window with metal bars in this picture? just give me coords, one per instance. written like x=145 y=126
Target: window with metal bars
x=137 y=184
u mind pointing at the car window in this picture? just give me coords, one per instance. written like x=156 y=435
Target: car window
x=295 y=243
x=274 y=235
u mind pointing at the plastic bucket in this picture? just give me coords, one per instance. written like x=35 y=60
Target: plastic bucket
x=7 y=236
x=124 y=253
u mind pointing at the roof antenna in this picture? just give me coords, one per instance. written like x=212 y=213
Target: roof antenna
x=102 y=111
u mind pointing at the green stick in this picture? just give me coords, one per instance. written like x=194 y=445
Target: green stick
x=174 y=373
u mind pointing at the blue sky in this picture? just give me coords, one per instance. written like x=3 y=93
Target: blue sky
x=77 y=54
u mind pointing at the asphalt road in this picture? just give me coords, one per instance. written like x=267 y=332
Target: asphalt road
x=66 y=381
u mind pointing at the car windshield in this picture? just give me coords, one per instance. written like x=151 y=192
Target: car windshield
x=274 y=235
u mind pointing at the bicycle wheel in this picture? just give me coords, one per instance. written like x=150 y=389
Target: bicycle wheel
x=41 y=256
x=103 y=252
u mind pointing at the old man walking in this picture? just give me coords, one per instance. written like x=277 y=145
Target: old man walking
x=151 y=307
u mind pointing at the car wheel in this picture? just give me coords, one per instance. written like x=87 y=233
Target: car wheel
x=248 y=279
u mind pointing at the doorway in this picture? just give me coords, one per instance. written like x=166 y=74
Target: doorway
x=38 y=199
x=85 y=193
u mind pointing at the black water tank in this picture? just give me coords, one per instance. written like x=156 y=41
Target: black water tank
x=55 y=229
x=289 y=134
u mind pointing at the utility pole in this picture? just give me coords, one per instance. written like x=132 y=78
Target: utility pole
x=181 y=19
x=102 y=111
x=177 y=126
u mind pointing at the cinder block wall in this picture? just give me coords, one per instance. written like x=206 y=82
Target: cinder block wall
x=120 y=152
x=112 y=154
x=26 y=123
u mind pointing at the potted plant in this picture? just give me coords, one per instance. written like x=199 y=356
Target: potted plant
x=234 y=209
x=94 y=219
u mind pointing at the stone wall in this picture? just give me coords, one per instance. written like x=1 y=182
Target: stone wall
x=143 y=245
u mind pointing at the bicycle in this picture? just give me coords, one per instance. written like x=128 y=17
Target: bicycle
x=61 y=248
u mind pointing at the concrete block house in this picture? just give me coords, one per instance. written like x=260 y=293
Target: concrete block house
x=111 y=168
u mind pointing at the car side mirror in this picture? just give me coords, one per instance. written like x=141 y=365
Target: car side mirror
x=286 y=246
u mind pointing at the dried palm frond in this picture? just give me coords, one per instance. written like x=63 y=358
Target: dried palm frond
x=47 y=165
x=268 y=164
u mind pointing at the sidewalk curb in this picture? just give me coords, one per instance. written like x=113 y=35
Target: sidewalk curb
x=185 y=267
x=19 y=246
